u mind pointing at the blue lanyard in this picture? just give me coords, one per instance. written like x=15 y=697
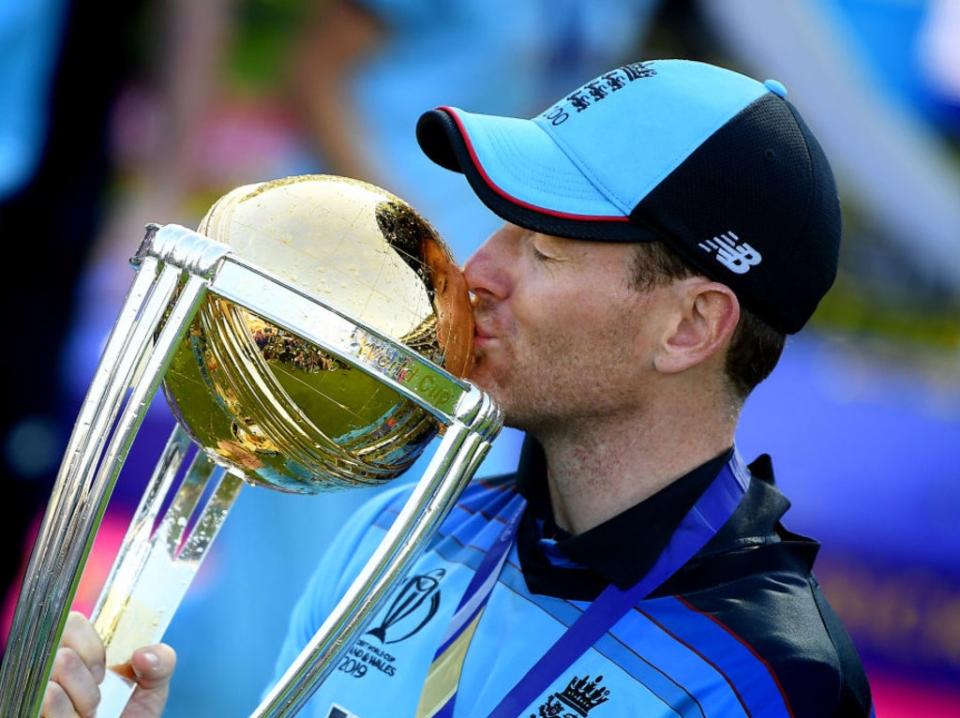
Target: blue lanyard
x=698 y=526
x=701 y=524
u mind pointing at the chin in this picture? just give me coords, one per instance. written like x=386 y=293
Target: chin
x=482 y=380
x=480 y=377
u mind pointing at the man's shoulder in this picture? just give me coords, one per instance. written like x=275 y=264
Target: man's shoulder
x=782 y=621
x=483 y=496
x=753 y=590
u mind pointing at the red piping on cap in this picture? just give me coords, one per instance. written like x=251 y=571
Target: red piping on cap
x=511 y=198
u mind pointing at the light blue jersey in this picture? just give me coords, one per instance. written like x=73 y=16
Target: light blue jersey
x=662 y=659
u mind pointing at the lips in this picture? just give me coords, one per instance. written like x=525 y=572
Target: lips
x=482 y=333
x=481 y=316
x=484 y=325
x=482 y=330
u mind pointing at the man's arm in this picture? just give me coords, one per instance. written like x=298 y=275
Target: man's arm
x=80 y=667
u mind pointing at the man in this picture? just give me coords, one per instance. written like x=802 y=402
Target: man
x=667 y=224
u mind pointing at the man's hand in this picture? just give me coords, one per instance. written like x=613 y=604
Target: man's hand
x=80 y=666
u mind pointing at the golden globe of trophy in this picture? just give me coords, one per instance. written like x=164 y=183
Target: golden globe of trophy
x=312 y=334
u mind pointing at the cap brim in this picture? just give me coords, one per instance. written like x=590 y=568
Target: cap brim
x=522 y=175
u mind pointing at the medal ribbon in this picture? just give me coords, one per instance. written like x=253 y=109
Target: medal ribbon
x=699 y=525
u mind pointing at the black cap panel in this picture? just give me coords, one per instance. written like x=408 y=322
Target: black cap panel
x=755 y=207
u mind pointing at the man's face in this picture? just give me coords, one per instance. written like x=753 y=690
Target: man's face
x=561 y=335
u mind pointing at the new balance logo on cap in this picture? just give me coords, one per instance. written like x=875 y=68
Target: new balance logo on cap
x=733 y=254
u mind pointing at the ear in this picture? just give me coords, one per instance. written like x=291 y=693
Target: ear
x=705 y=317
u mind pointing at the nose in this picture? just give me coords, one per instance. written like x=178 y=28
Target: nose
x=488 y=271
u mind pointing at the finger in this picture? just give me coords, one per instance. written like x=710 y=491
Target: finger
x=80 y=635
x=56 y=703
x=153 y=665
x=73 y=676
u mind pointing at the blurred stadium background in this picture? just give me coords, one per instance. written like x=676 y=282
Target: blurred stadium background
x=116 y=114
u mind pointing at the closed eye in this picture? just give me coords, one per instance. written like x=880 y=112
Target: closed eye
x=549 y=255
x=540 y=256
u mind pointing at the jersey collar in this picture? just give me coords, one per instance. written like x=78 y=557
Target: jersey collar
x=622 y=549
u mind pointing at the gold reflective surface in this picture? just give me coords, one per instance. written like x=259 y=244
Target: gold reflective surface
x=282 y=411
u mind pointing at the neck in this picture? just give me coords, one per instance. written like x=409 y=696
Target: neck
x=598 y=468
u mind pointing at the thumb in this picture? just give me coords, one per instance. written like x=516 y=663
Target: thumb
x=152 y=668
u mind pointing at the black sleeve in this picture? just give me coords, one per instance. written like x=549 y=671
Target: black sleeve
x=788 y=623
x=855 y=698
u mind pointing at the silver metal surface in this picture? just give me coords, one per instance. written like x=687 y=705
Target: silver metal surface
x=445 y=478
x=51 y=576
x=178 y=270
x=183 y=248
x=141 y=525
x=155 y=570
x=87 y=477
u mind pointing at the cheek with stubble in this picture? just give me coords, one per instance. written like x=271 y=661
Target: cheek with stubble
x=499 y=371
x=517 y=378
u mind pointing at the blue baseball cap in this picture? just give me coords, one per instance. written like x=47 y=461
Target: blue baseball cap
x=719 y=166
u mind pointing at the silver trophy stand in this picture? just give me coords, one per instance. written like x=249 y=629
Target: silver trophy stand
x=177 y=268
